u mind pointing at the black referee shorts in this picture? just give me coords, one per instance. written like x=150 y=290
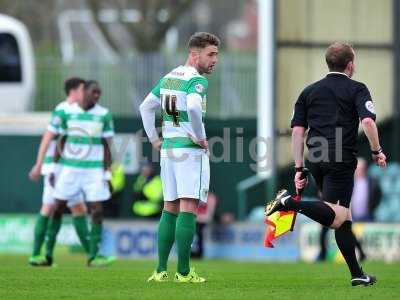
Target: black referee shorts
x=335 y=180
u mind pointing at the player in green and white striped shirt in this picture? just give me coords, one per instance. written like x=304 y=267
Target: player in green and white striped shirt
x=87 y=129
x=185 y=170
x=74 y=90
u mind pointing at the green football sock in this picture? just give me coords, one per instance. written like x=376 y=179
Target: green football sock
x=39 y=233
x=166 y=238
x=185 y=229
x=52 y=231
x=95 y=238
x=82 y=230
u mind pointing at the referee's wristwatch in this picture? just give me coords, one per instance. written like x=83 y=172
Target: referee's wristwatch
x=377 y=152
x=299 y=169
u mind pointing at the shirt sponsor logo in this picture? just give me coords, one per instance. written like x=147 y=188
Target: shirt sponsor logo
x=199 y=88
x=178 y=73
x=369 y=105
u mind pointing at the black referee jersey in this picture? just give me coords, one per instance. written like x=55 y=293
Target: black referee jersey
x=331 y=110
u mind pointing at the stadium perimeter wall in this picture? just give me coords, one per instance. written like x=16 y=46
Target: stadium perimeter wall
x=239 y=241
x=18 y=152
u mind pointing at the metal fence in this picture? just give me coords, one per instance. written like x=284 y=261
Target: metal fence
x=232 y=88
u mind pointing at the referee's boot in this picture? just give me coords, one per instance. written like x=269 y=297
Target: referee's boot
x=364 y=280
x=278 y=204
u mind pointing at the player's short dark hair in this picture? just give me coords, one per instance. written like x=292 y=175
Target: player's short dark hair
x=72 y=84
x=202 y=40
x=338 y=55
x=89 y=83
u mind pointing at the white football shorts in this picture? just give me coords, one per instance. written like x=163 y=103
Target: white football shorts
x=185 y=173
x=48 y=192
x=72 y=182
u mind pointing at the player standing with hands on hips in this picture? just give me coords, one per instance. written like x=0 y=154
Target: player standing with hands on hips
x=185 y=170
x=331 y=109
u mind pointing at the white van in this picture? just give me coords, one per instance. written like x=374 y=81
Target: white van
x=17 y=69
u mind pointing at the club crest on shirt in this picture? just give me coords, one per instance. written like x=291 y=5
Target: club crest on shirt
x=199 y=88
x=369 y=105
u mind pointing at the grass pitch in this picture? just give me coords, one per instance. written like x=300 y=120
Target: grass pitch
x=126 y=279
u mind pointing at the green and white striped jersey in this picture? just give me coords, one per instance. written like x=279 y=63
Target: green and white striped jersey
x=49 y=158
x=172 y=90
x=84 y=131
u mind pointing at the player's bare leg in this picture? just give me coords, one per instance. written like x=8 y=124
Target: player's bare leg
x=185 y=230
x=166 y=238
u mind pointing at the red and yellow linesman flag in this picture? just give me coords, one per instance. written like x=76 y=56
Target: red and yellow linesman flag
x=279 y=223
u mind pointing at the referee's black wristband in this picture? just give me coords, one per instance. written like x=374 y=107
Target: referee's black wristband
x=299 y=169
x=379 y=151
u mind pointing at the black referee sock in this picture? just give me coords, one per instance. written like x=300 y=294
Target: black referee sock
x=346 y=242
x=315 y=210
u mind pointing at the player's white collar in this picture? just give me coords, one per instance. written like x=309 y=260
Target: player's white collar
x=193 y=69
x=341 y=73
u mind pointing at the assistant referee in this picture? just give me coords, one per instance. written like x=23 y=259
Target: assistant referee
x=331 y=110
